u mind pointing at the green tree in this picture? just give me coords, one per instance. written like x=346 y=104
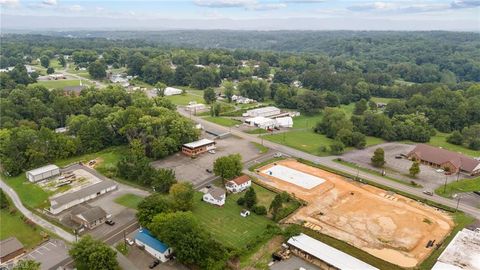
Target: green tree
x=182 y=195
x=336 y=147
x=372 y=105
x=209 y=95
x=97 y=70
x=378 y=158
x=228 y=90
x=27 y=265
x=276 y=205
x=91 y=254
x=62 y=61
x=455 y=138
x=250 y=198
x=50 y=70
x=228 y=167
x=360 y=107
x=4 y=202
x=44 y=61
x=160 y=87
x=163 y=179
x=151 y=206
x=414 y=169
x=193 y=245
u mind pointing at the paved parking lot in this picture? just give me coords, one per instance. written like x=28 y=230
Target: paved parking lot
x=399 y=168
x=293 y=262
x=194 y=170
x=49 y=254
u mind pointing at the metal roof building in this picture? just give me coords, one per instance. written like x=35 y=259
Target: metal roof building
x=42 y=173
x=152 y=245
x=325 y=255
x=264 y=111
x=463 y=252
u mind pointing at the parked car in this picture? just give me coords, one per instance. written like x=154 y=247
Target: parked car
x=211 y=151
x=439 y=170
x=277 y=155
x=427 y=192
x=129 y=241
x=208 y=170
x=208 y=186
x=398 y=156
x=110 y=222
x=245 y=213
x=153 y=264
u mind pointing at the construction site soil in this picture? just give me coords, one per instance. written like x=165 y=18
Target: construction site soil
x=387 y=225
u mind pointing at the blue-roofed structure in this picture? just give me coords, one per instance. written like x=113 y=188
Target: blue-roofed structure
x=152 y=245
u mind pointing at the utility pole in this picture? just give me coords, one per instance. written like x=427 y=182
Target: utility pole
x=458 y=202
x=445 y=186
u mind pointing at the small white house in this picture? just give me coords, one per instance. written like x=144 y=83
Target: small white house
x=238 y=184
x=42 y=173
x=152 y=245
x=215 y=195
x=170 y=91
x=261 y=122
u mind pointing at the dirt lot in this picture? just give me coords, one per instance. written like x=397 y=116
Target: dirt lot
x=194 y=170
x=398 y=168
x=386 y=225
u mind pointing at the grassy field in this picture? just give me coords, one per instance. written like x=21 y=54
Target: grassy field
x=257 y=131
x=440 y=140
x=13 y=225
x=185 y=99
x=227 y=122
x=129 y=200
x=466 y=185
x=261 y=148
x=226 y=224
x=58 y=83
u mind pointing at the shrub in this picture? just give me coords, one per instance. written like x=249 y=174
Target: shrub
x=241 y=201
x=259 y=210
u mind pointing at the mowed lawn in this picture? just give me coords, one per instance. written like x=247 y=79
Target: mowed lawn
x=310 y=142
x=225 y=223
x=184 y=99
x=227 y=122
x=440 y=140
x=60 y=84
x=129 y=200
x=13 y=226
x=466 y=185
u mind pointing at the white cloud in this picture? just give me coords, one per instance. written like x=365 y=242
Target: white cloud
x=9 y=3
x=225 y=3
x=76 y=8
x=399 y=7
x=49 y=2
x=465 y=4
x=267 y=6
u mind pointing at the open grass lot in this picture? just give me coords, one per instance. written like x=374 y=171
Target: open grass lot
x=440 y=140
x=227 y=122
x=310 y=142
x=466 y=185
x=129 y=200
x=184 y=99
x=226 y=224
x=54 y=84
x=261 y=148
x=13 y=226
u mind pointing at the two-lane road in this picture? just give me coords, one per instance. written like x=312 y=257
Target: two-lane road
x=328 y=161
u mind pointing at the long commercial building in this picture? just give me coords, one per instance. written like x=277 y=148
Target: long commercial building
x=264 y=111
x=70 y=199
x=324 y=256
x=463 y=252
x=198 y=147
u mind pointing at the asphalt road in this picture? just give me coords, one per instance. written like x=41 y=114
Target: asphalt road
x=328 y=161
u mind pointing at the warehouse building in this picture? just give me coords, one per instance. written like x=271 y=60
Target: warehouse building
x=70 y=199
x=198 y=147
x=42 y=173
x=261 y=122
x=462 y=253
x=152 y=245
x=265 y=112
x=10 y=248
x=324 y=256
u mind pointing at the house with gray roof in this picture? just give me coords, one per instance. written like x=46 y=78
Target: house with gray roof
x=10 y=248
x=215 y=195
x=87 y=216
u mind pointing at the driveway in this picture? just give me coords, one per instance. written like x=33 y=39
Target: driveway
x=51 y=255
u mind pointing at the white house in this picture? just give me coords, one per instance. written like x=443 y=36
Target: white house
x=238 y=184
x=152 y=245
x=215 y=195
x=42 y=173
x=170 y=91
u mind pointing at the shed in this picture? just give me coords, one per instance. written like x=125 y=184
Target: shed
x=284 y=121
x=43 y=173
x=152 y=245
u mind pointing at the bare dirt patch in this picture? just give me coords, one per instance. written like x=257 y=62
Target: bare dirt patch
x=386 y=225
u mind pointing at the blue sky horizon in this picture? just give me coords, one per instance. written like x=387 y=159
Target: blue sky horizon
x=451 y=15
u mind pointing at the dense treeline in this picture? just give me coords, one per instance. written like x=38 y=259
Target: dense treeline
x=95 y=120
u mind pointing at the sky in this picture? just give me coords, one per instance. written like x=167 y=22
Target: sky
x=461 y=15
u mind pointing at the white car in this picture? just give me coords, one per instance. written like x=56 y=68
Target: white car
x=211 y=151
x=245 y=213
x=277 y=155
x=440 y=170
x=129 y=241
